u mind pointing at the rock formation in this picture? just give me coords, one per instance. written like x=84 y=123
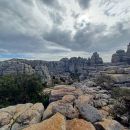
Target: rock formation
x=128 y=54
x=95 y=59
x=65 y=69
x=121 y=56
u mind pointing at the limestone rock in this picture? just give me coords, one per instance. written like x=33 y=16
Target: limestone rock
x=62 y=90
x=119 y=56
x=68 y=98
x=84 y=99
x=107 y=124
x=62 y=107
x=89 y=113
x=57 y=122
x=5 y=118
x=67 y=110
x=95 y=59
x=79 y=124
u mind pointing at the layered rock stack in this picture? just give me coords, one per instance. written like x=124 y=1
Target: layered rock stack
x=95 y=59
x=128 y=54
x=121 y=56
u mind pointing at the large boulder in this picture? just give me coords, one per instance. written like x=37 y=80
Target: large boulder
x=108 y=124
x=62 y=107
x=67 y=110
x=60 y=91
x=89 y=113
x=20 y=116
x=57 y=122
x=30 y=116
x=79 y=124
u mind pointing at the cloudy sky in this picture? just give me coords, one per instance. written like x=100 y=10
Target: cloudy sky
x=53 y=29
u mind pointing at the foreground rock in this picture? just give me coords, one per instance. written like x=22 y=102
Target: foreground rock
x=109 y=125
x=57 y=122
x=89 y=113
x=20 y=116
x=79 y=124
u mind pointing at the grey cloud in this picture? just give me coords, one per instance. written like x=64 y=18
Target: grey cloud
x=61 y=37
x=56 y=18
x=84 y=3
x=91 y=38
x=52 y=4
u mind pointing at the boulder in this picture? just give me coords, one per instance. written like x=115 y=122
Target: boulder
x=62 y=107
x=79 y=124
x=5 y=118
x=68 y=98
x=84 y=99
x=108 y=124
x=67 y=110
x=49 y=110
x=89 y=113
x=57 y=122
x=60 y=91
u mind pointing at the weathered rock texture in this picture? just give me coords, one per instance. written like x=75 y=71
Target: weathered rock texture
x=63 y=70
x=121 y=56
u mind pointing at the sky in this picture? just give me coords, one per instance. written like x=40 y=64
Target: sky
x=53 y=29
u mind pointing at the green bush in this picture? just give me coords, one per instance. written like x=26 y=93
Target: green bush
x=120 y=92
x=105 y=81
x=21 y=89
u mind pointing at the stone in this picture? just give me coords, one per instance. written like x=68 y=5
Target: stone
x=68 y=98
x=5 y=118
x=57 y=122
x=67 y=110
x=62 y=107
x=89 y=113
x=108 y=124
x=79 y=124
x=84 y=99
x=49 y=110
x=60 y=91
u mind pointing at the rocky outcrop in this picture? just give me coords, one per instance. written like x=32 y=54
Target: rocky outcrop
x=15 y=67
x=66 y=70
x=95 y=59
x=121 y=56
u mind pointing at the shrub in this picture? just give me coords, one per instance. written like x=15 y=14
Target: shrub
x=122 y=105
x=20 y=89
x=120 y=92
x=105 y=81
